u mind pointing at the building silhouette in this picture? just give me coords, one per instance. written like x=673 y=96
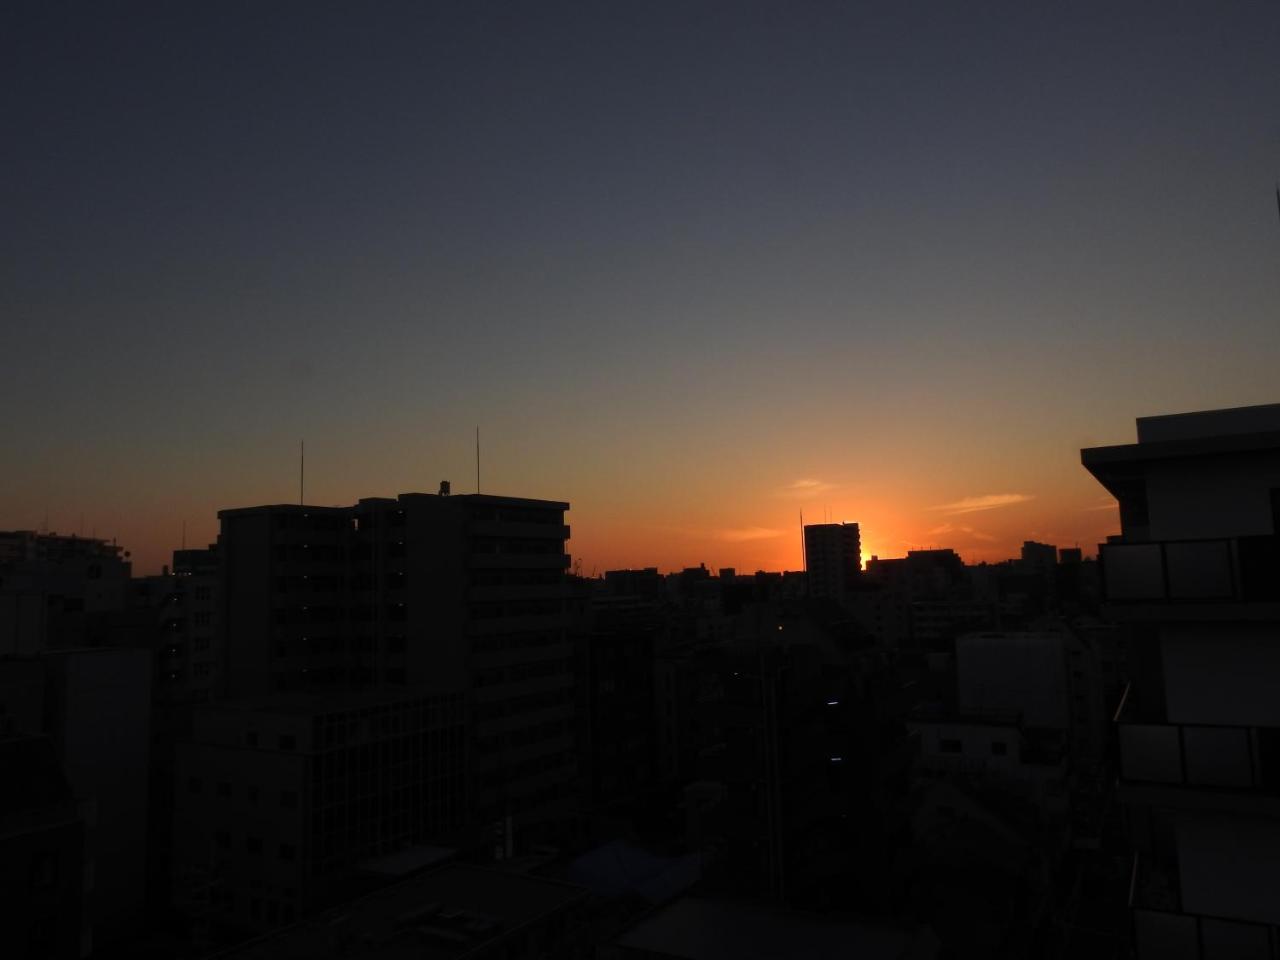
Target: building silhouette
x=466 y=594
x=833 y=559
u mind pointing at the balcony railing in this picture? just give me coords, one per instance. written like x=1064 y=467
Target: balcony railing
x=1163 y=931
x=1197 y=755
x=1225 y=570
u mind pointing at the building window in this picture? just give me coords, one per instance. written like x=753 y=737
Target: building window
x=288 y=741
x=194 y=784
x=950 y=746
x=289 y=799
x=288 y=853
x=253 y=846
x=999 y=748
x=224 y=789
x=222 y=839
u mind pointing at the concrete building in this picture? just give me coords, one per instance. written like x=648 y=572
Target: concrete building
x=42 y=875
x=1195 y=575
x=833 y=559
x=98 y=716
x=280 y=799
x=464 y=592
x=51 y=584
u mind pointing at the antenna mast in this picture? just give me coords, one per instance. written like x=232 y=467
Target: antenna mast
x=302 y=471
x=477 y=459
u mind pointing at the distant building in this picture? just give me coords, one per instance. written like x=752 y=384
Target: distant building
x=1195 y=576
x=1039 y=556
x=833 y=559
x=51 y=584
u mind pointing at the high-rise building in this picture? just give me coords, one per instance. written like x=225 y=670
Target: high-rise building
x=1195 y=575
x=833 y=559
x=459 y=592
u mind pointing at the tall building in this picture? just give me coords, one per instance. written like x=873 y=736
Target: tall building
x=833 y=559
x=458 y=592
x=1195 y=575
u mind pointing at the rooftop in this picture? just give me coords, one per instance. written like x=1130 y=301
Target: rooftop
x=1240 y=430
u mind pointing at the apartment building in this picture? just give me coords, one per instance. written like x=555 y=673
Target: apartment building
x=464 y=592
x=1195 y=576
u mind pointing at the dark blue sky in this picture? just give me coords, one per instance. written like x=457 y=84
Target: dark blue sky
x=671 y=257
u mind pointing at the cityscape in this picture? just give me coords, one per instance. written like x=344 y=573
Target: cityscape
x=404 y=728
x=711 y=480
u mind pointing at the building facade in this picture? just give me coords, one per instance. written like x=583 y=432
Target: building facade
x=1195 y=576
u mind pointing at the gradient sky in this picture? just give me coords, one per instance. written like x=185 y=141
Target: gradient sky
x=693 y=267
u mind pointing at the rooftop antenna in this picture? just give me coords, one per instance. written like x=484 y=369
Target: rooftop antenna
x=804 y=554
x=302 y=471
x=477 y=459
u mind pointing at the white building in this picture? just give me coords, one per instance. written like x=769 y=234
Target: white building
x=1196 y=575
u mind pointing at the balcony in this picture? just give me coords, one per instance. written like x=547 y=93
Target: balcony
x=519 y=561
x=1238 y=570
x=1220 y=757
x=511 y=529
x=1161 y=930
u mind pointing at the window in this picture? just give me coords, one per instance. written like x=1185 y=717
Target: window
x=224 y=789
x=251 y=738
x=288 y=741
x=194 y=784
x=44 y=870
x=253 y=846
x=999 y=748
x=288 y=853
x=289 y=799
x=222 y=839
x=950 y=746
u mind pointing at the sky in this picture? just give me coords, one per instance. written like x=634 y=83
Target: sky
x=693 y=267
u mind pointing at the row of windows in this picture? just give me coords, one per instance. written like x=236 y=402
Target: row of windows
x=253 y=846
x=515 y=641
x=288 y=799
x=999 y=748
x=514 y=706
x=523 y=671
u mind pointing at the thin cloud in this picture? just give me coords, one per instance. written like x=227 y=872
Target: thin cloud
x=806 y=487
x=742 y=534
x=969 y=531
x=990 y=501
x=1108 y=505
